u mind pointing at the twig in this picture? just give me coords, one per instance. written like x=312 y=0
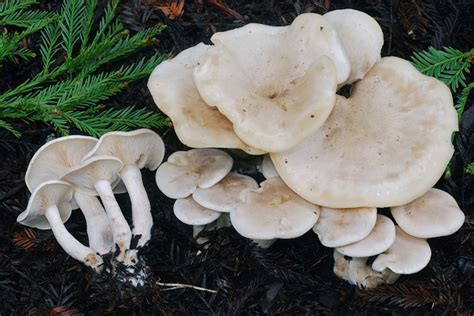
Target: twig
x=175 y=286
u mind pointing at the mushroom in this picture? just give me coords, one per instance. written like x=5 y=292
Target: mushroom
x=273 y=211
x=275 y=84
x=49 y=207
x=362 y=38
x=340 y=227
x=138 y=149
x=406 y=256
x=51 y=162
x=224 y=195
x=385 y=146
x=191 y=213
x=196 y=124
x=267 y=168
x=94 y=177
x=355 y=271
x=185 y=171
x=434 y=214
x=380 y=239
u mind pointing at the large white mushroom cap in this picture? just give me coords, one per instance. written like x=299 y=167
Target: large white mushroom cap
x=273 y=211
x=196 y=168
x=406 y=256
x=434 y=214
x=225 y=195
x=339 y=227
x=196 y=124
x=361 y=37
x=275 y=84
x=386 y=145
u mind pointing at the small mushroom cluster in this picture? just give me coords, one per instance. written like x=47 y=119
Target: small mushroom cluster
x=71 y=172
x=333 y=160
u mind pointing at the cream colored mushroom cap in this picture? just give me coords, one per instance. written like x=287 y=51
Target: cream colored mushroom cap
x=47 y=194
x=340 y=227
x=434 y=214
x=267 y=168
x=191 y=213
x=187 y=170
x=54 y=159
x=361 y=37
x=385 y=146
x=224 y=195
x=142 y=147
x=196 y=124
x=407 y=255
x=275 y=84
x=380 y=239
x=273 y=211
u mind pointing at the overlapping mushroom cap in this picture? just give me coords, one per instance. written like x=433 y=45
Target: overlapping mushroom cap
x=275 y=84
x=386 y=145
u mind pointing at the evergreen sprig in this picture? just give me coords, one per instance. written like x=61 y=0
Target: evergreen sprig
x=68 y=91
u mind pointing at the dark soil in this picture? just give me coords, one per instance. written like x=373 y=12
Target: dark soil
x=292 y=277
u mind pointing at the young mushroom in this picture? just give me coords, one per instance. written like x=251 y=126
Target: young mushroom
x=94 y=177
x=49 y=207
x=196 y=124
x=51 y=162
x=185 y=171
x=273 y=211
x=386 y=145
x=407 y=255
x=267 y=168
x=434 y=214
x=340 y=227
x=275 y=84
x=138 y=149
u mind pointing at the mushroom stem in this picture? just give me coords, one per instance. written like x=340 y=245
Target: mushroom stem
x=355 y=271
x=196 y=230
x=98 y=225
x=141 y=209
x=69 y=243
x=264 y=243
x=121 y=232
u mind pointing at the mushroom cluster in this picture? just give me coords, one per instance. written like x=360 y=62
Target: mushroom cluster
x=333 y=160
x=72 y=171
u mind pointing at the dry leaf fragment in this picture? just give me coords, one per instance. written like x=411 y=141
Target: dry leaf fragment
x=172 y=8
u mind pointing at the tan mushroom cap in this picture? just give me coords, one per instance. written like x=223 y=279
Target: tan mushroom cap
x=434 y=214
x=385 y=146
x=191 y=213
x=185 y=171
x=224 y=195
x=54 y=159
x=380 y=239
x=275 y=84
x=340 y=227
x=267 y=168
x=47 y=194
x=361 y=37
x=273 y=211
x=406 y=256
x=196 y=124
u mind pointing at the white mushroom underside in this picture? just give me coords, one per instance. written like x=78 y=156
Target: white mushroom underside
x=386 y=145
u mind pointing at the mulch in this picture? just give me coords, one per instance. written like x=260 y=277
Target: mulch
x=292 y=277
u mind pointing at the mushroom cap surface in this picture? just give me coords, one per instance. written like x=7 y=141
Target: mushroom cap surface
x=224 y=195
x=142 y=148
x=196 y=124
x=434 y=214
x=362 y=38
x=273 y=211
x=407 y=255
x=98 y=168
x=47 y=194
x=275 y=84
x=191 y=213
x=340 y=227
x=385 y=146
x=380 y=239
x=267 y=168
x=185 y=171
x=56 y=157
